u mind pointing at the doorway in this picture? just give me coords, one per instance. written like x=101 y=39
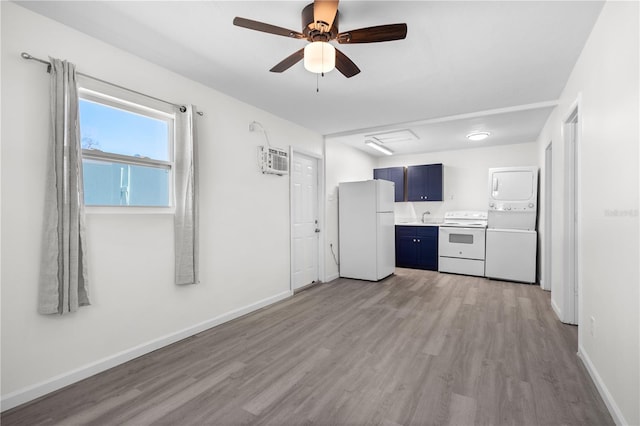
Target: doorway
x=305 y=220
x=571 y=286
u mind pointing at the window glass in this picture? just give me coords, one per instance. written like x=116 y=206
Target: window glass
x=117 y=131
x=116 y=184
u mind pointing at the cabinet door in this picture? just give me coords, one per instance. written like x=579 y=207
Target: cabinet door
x=395 y=175
x=433 y=184
x=406 y=252
x=406 y=249
x=428 y=252
x=415 y=183
x=424 y=183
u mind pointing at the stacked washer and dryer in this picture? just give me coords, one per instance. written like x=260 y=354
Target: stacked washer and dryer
x=511 y=239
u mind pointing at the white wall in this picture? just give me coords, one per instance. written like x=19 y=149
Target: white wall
x=606 y=79
x=135 y=305
x=465 y=176
x=343 y=164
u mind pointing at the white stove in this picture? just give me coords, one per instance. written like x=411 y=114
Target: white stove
x=461 y=243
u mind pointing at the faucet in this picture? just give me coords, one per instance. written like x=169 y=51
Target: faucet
x=427 y=212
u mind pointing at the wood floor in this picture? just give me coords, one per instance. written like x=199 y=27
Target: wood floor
x=419 y=348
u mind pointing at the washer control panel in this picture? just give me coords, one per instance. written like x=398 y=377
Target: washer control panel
x=512 y=207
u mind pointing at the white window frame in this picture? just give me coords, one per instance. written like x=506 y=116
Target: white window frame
x=95 y=91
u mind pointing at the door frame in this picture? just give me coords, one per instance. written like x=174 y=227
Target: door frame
x=571 y=135
x=548 y=217
x=321 y=212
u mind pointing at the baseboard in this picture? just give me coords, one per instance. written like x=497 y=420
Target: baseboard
x=557 y=310
x=306 y=287
x=614 y=410
x=332 y=277
x=58 y=382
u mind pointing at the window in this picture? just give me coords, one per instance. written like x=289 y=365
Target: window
x=127 y=151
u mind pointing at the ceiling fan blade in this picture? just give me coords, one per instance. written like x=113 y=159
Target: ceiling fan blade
x=346 y=65
x=374 y=34
x=289 y=61
x=324 y=12
x=266 y=28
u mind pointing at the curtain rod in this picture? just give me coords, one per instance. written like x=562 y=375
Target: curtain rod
x=182 y=108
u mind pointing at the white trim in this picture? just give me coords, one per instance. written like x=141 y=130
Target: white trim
x=516 y=108
x=32 y=392
x=547 y=247
x=332 y=277
x=124 y=210
x=614 y=410
x=572 y=219
x=556 y=309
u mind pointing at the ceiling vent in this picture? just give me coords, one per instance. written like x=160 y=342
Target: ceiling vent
x=394 y=136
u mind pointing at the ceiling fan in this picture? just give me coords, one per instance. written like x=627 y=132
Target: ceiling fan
x=319 y=26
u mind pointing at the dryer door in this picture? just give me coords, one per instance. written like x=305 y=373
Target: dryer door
x=513 y=184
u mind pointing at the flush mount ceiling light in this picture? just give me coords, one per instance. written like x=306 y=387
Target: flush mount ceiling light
x=478 y=136
x=319 y=57
x=382 y=149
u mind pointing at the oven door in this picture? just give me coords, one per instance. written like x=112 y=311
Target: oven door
x=466 y=243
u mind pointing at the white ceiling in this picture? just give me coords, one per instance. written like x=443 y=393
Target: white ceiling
x=476 y=65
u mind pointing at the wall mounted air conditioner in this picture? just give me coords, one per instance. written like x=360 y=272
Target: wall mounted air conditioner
x=273 y=160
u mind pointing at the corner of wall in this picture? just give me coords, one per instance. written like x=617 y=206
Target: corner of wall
x=608 y=399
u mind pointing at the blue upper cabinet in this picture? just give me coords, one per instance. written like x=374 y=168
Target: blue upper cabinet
x=395 y=175
x=424 y=183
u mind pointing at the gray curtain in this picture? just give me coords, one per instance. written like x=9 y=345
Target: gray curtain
x=63 y=273
x=186 y=196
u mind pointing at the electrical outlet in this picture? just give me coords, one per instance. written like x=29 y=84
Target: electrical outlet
x=592 y=326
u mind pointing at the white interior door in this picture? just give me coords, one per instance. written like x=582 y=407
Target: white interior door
x=304 y=217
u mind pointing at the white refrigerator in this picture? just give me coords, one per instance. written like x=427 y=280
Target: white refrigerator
x=366 y=229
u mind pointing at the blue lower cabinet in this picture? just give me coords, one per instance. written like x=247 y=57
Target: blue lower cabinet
x=417 y=247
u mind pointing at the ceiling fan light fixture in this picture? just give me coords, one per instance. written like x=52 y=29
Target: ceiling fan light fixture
x=478 y=136
x=319 y=57
x=382 y=149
